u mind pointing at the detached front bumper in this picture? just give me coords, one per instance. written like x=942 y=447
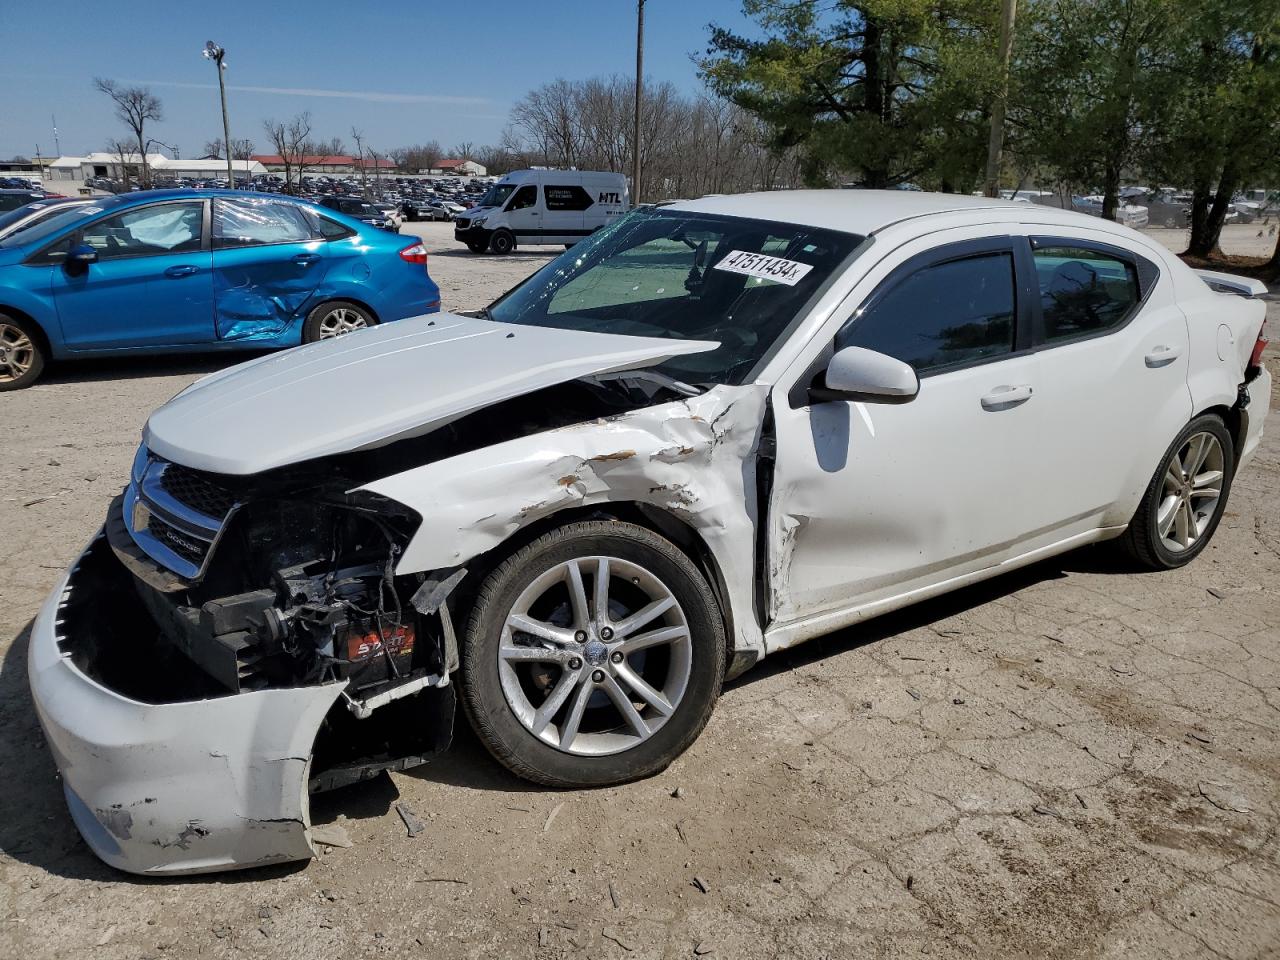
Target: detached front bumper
x=190 y=786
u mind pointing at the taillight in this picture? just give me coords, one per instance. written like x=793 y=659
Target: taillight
x=414 y=253
x=1255 y=358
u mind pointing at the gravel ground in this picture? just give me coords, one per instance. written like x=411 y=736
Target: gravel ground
x=1069 y=761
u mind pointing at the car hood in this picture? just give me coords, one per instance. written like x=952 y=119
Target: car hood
x=379 y=385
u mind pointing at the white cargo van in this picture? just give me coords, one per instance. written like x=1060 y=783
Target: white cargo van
x=542 y=206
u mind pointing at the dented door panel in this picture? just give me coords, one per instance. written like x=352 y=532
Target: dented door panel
x=260 y=290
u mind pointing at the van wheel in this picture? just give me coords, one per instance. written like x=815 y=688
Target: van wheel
x=1185 y=499
x=502 y=242
x=336 y=318
x=21 y=354
x=593 y=656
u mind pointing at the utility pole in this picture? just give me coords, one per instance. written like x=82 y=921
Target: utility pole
x=57 y=147
x=357 y=136
x=995 y=145
x=216 y=53
x=635 y=167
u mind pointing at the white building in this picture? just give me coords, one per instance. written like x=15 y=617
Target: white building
x=109 y=165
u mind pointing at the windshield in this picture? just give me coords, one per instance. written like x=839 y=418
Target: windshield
x=687 y=276
x=497 y=195
x=47 y=225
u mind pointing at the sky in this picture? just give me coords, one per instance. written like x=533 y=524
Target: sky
x=402 y=73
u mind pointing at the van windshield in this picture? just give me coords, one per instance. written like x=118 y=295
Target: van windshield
x=497 y=195
x=687 y=276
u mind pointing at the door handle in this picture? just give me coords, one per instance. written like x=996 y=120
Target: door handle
x=181 y=270
x=1162 y=355
x=306 y=258
x=1006 y=397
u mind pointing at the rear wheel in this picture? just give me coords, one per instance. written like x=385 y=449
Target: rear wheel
x=1184 y=502
x=21 y=354
x=593 y=656
x=502 y=242
x=336 y=318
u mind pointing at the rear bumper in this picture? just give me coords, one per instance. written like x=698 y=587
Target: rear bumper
x=1259 y=391
x=167 y=787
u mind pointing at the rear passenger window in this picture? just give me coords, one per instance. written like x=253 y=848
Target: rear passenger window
x=332 y=230
x=566 y=198
x=942 y=315
x=1083 y=290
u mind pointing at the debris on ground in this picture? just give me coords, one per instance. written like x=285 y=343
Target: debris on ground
x=701 y=884
x=617 y=938
x=331 y=835
x=413 y=824
x=615 y=896
x=1046 y=811
x=555 y=811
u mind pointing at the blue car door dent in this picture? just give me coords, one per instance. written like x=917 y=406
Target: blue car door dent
x=262 y=279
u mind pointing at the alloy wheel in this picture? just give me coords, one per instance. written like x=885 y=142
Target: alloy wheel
x=340 y=321
x=1191 y=492
x=595 y=656
x=17 y=353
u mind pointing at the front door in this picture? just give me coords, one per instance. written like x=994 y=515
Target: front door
x=151 y=286
x=873 y=501
x=267 y=263
x=523 y=216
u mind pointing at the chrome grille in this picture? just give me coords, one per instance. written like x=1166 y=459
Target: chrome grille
x=176 y=515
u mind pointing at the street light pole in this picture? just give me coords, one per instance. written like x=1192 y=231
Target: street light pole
x=216 y=53
x=635 y=167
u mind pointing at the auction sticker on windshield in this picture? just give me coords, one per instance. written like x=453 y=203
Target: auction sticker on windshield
x=765 y=267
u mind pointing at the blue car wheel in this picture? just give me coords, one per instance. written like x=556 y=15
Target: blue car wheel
x=21 y=354
x=336 y=318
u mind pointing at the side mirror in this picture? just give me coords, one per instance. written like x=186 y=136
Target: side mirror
x=856 y=373
x=79 y=257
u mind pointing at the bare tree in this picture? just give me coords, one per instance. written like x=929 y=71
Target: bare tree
x=291 y=141
x=240 y=149
x=420 y=156
x=134 y=107
x=464 y=150
x=358 y=137
x=122 y=150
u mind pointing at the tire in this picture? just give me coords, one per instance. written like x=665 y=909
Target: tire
x=22 y=353
x=477 y=247
x=343 y=315
x=1177 y=518
x=602 y=747
x=502 y=242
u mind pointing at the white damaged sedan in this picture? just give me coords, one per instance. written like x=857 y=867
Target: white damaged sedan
x=710 y=431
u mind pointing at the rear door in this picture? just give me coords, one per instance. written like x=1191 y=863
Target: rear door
x=1112 y=393
x=151 y=286
x=267 y=263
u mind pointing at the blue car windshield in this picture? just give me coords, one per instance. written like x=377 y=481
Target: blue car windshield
x=49 y=225
x=686 y=276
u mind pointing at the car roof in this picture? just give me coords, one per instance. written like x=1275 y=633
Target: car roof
x=862 y=212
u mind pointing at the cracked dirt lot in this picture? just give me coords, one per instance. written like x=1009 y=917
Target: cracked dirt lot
x=1070 y=761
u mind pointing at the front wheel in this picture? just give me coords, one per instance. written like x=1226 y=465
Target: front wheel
x=502 y=242
x=336 y=318
x=593 y=656
x=1185 y=499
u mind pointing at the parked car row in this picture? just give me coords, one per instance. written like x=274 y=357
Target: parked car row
x=195 y=271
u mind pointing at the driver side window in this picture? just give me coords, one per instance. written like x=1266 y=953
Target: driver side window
x=147 y=232
x=526 y=196
x=942 y=315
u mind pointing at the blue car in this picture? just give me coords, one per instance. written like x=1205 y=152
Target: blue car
x=197 y=271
